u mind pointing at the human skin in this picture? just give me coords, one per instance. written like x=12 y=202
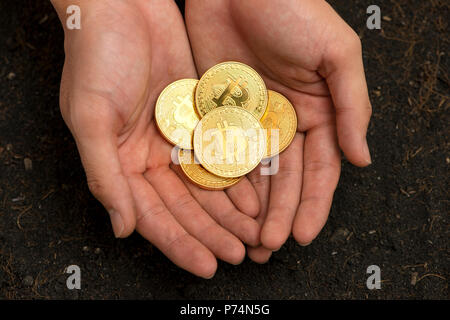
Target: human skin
x=304 y=50
x=116 y=65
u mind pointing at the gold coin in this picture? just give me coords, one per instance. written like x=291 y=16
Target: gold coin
x=229 y=142
x=280 y=121
x=231 y=84
x=199 y=176
x=175 y=112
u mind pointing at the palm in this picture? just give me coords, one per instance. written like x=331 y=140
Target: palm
x=125 y=57
x=287 y=44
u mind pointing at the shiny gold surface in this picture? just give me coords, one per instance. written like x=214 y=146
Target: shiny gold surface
x=231 y=84
x=199 y=176
x=229 y=142
x=175 y=112
x=280 y=121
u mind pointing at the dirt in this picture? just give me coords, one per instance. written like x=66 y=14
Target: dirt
x=393 y=214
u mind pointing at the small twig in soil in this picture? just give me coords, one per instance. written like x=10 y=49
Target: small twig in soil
x=21 y=214
x=431 y=275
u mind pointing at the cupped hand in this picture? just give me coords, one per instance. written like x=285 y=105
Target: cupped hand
x=305 y=51
x=116 y=65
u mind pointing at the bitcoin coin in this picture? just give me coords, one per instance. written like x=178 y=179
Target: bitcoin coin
x=175 y=112
x=199 y=176
x=231 y=84
x=280 y=121
x=229 y=142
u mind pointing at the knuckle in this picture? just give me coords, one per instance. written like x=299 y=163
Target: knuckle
x=152 y=211
x=318 y=166
x=184 y=201
x=172 y=244
x=369 y=111
x=95 y=187
x=259 y=180
x=348 y=46
x=211 y=228
x=354 y=42
x=289 y=169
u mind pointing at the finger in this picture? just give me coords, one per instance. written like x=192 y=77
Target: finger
x=219 y=206
x=259 y=254
x=285 y=193
x=344 y=72
x=99 y=155
x=261 y=183
x=244 y=197
x=157 y=225
x=321 y=170
x=193 y=218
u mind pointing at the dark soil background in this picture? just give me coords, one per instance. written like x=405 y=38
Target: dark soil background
x=393 y=214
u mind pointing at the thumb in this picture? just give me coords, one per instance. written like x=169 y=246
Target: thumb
x=99 y=154
x=344 y=72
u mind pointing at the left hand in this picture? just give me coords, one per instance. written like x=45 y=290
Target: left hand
x=115 y=68
x=305 y=51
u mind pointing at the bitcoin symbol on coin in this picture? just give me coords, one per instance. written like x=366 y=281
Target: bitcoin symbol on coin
x=271 y=120
x=230 y=136
x=183 y=112
x=280 y=122
x=235 y=94
x=231 y=84
x=175 y=112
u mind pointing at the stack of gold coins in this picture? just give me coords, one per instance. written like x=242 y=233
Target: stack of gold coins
x=224 y=124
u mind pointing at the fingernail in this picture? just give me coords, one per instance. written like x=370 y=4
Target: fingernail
x=366 y=152
x=305 y=244
x=117 y=223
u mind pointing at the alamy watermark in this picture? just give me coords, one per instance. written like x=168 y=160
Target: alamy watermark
x=233 y=145
x=74 y=19
x=74 y=280
x=374 y=20
x=374 y=280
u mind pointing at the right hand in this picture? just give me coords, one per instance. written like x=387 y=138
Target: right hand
x=304 y=50
x=116 y=65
